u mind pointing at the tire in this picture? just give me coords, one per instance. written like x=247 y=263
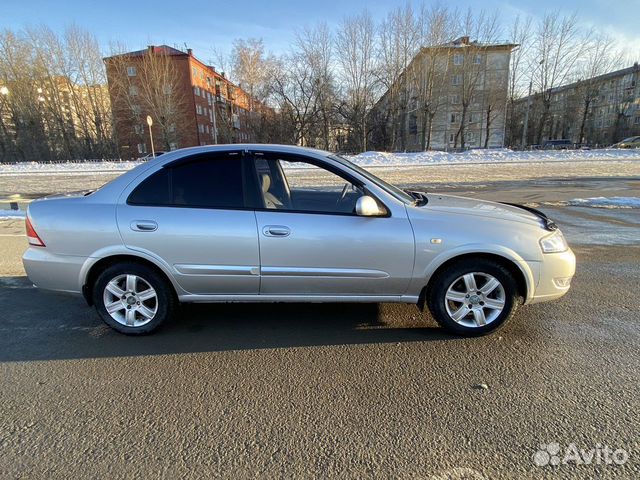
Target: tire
x=139 y=298
x=460 y=309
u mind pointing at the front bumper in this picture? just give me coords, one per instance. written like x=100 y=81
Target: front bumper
x=53 y=272
x=555 y=274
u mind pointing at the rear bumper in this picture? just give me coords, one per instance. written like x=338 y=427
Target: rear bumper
x=556 y=272
x=53 y=272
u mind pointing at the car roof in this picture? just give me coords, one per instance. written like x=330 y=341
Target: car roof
x=264 y=147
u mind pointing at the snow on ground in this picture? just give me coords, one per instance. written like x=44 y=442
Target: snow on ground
x=498 y=155
x=66 y=168
x=11 y=214
x=604 y=202
x=366 y=159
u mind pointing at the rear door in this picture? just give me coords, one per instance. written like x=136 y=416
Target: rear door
x=313 y=243
x=192 y=215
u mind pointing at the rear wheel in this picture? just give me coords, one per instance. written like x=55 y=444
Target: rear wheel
x=473 y=297
x=133 y=298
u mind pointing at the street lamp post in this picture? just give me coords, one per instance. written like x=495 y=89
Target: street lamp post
x=150 y=123
x=526 y=117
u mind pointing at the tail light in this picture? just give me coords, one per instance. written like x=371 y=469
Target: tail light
x=32 y=236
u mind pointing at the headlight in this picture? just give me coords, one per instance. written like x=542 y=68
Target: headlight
x=554 y=243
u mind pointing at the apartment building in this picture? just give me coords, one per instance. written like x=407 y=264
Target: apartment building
x=450 y=96
x=189 y=102
x=593 y=111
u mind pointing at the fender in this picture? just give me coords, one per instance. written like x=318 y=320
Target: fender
x=471 y=248
x=114 y=250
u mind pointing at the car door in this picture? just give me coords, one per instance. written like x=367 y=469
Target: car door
x=192 y=215
x=313 y=243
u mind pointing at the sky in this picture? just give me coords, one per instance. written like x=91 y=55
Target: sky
x=209 y=27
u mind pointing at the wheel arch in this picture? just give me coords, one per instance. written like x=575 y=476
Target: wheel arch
x=90 y=272
x=516 y=266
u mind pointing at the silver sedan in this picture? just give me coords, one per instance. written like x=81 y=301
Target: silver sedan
x=268 y=223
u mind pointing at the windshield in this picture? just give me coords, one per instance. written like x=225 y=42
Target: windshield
x=392 y=189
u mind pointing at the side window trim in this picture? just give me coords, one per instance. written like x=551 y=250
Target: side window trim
x=169 y=167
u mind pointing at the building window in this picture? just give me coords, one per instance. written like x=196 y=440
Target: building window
x=454 y=118
x=472 y=118
x=172 y=127
x=458 y=59
x=198 y=109
x=142 y=148
x=201 y=128
x=194 y=70
x=196 y=91
x=452 y=137
x=456 y=79
x=167 y=90
x=139 y=129
x=477 y=59
x=173 y=146
x=455 y=99
x=133 y=90
x=131 y=71
x=636 y=120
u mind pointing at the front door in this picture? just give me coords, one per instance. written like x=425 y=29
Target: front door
x=192 y=216
x=313 y=243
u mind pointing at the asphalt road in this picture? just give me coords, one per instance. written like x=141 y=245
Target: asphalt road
x=348 y=391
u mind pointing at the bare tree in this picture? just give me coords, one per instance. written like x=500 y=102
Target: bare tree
x=469 y=64
x=315 y=47
x=600 y=57
x=520 y=35
x=556 y=48
x=355 y=47
x=432 y=66
x=153 y=90
x=399 y=40
x=293 y=89
x=250 y=68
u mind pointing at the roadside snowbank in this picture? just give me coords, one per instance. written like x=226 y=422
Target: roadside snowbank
x=374 y=159
x=606 y=202
x=67 y=167
x=11 y=214
x=366 y=159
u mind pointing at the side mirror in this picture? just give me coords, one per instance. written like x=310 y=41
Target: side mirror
x=366 y=206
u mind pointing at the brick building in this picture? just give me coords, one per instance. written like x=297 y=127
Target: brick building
x=189 y=101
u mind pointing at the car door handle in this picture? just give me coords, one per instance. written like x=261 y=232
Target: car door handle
x=276 y=231
x=144 y=226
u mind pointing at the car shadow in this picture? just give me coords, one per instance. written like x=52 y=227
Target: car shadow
x=41 y=325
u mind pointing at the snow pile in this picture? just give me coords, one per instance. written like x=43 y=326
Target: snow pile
x=11 y=214
x=375 y=159
x=67 y=167
x=606 y=202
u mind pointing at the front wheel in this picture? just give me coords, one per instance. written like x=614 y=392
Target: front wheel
x=133 y=298
x=473 y=297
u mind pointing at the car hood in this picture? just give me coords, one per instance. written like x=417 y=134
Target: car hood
x=480 y=208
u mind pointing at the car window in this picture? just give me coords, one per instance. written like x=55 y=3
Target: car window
x=152 y=191
x=203 y=182
x=295 y=184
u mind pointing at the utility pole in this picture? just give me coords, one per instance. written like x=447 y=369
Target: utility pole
x=150 y=122
x=215 y=122
x=525 y=127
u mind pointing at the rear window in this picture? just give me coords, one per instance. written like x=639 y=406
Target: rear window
x=203 y=183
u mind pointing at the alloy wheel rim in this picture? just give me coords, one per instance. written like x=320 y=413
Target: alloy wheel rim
x=475 y=299
x=130 y=300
